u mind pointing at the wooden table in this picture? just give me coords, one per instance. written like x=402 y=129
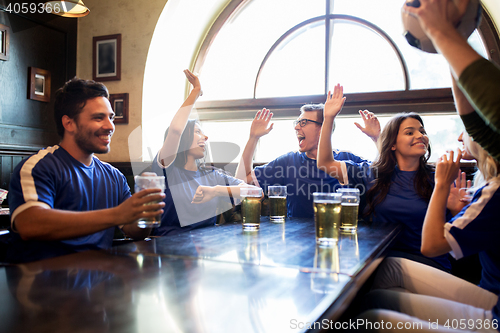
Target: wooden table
x=216 y=279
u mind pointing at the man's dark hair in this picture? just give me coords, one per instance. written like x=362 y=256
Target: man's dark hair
x=72 y=97
x=314 y=107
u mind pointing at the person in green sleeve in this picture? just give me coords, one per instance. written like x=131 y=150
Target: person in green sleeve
x=477 y=78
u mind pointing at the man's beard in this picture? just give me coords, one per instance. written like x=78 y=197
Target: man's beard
x=84 y=142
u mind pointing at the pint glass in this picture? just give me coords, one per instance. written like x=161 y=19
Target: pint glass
x=250 y=207
x=277 y=203
x=350 y=206
x=145 y=182
x=327 y=208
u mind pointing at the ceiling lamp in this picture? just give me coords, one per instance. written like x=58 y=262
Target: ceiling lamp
x=67 y=8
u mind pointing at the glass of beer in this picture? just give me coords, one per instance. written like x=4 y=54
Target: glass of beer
x=145 y=181
x=327 y=207
x=350 y=205
x=277 y=203
x=250 y=207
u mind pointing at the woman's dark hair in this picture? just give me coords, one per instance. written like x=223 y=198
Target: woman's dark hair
x=71 y=99
x=184 y=144
x=386 y=163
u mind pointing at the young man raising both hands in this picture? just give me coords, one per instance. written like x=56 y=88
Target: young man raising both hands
x=66 y=198
x=298 y=170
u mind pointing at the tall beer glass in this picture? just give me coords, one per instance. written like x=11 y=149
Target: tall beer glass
x=327 y=208
x=250 y=207
x=350 y=206
x=277 y=203
x=144 y=182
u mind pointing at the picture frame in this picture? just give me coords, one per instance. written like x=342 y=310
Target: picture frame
x=4 y=42
x=39 y=84
x=107 y=58
x=119 y=104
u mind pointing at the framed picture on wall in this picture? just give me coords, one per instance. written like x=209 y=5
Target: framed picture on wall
x=107 y=58
x=4 y=42
x=119 y=104
x=39 y=84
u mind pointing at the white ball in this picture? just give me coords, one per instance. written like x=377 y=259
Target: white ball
x=416 y=37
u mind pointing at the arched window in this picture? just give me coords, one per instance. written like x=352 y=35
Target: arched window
x=304 y=50
x=281 y=54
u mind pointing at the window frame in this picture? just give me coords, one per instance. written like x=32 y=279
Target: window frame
x=424 y=101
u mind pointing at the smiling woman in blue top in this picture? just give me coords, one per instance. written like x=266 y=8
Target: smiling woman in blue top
x=398 y=184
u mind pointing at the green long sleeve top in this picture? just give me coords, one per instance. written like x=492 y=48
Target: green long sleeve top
x=482 y=134
x=480 y=82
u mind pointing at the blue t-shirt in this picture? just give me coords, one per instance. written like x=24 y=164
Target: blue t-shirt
x=301 y=176
x=180 y=215
x=401 y=205
x=52 y=178
x=476 y=229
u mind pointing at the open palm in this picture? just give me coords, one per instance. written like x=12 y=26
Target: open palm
x=260 y=124
x=334 y=101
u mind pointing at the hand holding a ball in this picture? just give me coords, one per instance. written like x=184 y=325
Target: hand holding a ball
x=427 y=23
x=437 y=15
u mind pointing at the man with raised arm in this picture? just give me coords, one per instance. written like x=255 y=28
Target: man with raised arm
x=298 y=170
x=63 y=198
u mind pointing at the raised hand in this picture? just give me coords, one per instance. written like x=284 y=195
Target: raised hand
x=372 y=125
x=447 y=169
x=334 y=102
x=260 y=124
x=194 y=80
x=459 y=196
x=437 y=15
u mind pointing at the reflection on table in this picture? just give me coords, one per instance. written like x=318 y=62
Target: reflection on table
x=325 y=273
x=211 y=280
x=349 y=250
x=290 y=244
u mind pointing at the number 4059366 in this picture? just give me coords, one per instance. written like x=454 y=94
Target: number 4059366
x=471 y=324
x=33 y=8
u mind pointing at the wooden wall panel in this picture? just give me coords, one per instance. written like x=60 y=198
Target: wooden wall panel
x=43 y=41
x=7 y=165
